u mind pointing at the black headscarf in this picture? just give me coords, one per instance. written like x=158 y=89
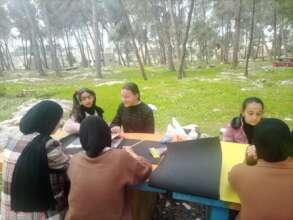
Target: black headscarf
x=31 y=189
x=94 y=135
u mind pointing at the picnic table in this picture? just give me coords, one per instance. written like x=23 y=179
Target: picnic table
x=232 y=154
x=283 y=62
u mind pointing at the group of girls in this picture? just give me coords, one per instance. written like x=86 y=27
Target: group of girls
x=40 y=181
x=132 y=115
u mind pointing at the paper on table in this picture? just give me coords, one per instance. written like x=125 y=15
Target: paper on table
x=191 y=167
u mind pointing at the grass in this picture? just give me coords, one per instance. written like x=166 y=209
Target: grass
x=195 y=99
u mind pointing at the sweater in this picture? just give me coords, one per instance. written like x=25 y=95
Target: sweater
x=135 y=119
x=98 y=185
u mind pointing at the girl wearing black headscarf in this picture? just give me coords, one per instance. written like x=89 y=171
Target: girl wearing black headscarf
x=84 y=104
x=99 y=175
x=37 y=183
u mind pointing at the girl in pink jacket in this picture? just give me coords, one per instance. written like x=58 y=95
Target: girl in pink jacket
x=241 y=128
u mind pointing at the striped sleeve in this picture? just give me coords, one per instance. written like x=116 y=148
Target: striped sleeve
x=57 y=159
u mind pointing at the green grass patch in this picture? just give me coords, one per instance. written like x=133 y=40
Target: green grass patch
x=204 y=97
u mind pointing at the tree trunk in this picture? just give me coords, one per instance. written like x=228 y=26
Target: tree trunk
x=120 y=57
x=204 y=41
x=146 y=49
x=66 y=49
x=128 y=59
x=36 y=55
x=70 y=57
x=90 y=33
x=257 y=49
x=44 y=54
x=170 y=62
x=180 y=71
x=8 y=56
x=159 y=27
x=244 y=45
x=262 y=52
x=90 y=55
x=88 y=48
x=222 y=39
x=175 y=29
x=98 y=63
x=147 y=54
x=53 y=52
x=84 y=61
x=142 y=53
x=190 y=52
x=162 y=48
x=2 y=59
x=1 y=62
x=101 y=42
x=237 y=33
x=227 y=40
x=274 y=44
x=127 y=20
x=280 y=38
x=30 y=54
x=285 y=38
x=34 y=43
x=52 y=45
x=59 y=50
x=250 y=38
x=24 y=52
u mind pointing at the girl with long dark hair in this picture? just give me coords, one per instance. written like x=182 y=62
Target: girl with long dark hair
x=84 y=104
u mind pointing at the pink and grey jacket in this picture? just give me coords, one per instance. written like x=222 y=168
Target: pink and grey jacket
x=235 y=135
x=71 y=126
